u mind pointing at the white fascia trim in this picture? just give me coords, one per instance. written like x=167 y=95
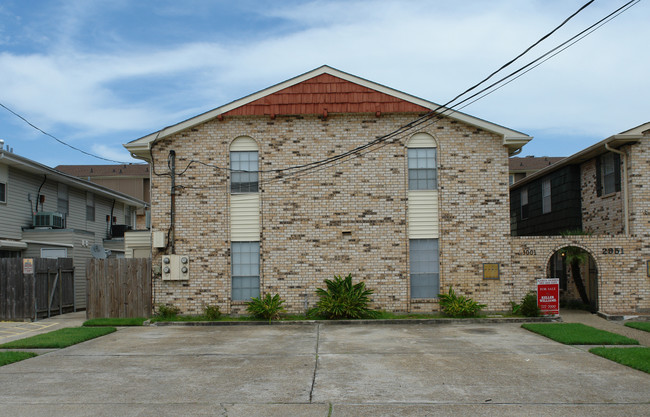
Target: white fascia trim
x=143 y=144
x=12 y=244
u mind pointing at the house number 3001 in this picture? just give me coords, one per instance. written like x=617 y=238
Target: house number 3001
x=612 y=251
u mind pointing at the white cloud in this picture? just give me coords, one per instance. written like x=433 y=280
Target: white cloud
x=430 y=49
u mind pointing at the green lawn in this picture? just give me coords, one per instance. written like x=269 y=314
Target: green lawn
x=10 y=357
x=137 y=321
x=578 y=334
x=59 y=338
x=640 y=325
x=634 y=357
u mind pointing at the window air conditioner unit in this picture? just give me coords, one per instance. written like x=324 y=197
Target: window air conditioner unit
x=49 y=219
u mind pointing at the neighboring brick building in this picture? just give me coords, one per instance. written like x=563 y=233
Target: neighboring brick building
x=522 y=166
x=604 y=191
x=258 y=208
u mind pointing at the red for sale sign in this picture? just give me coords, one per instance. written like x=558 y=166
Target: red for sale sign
x=548 y=296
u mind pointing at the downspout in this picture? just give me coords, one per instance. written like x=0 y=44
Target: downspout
x=626 y=210
x=109 y=232
x=172 y=211
x=38 y=195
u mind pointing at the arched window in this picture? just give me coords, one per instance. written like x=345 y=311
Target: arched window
x=423 y=172
x=424 y=257
x=244 y=165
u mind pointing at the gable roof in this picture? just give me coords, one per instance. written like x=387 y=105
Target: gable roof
x=615 y=141
x=330 y=90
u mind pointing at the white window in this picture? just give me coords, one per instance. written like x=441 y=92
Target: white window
x=54 y=253
x=90 y=207
x=244 y=176
x=245 y=270
x=608 y=168
x=422 y=169
x=546 y=196
x=62 y=199
x=524 y=203
x=129 y=216
x=424 y=268
x=3 y=192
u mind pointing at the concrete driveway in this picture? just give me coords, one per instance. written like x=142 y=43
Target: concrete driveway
x=321 y=370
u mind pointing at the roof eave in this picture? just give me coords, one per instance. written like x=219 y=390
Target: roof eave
x=615 y=141
x=140 y=148
x=37 y=168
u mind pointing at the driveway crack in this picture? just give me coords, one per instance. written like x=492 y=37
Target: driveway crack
x=313 y=379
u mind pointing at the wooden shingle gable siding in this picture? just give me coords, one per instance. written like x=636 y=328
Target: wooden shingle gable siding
x=325 y=92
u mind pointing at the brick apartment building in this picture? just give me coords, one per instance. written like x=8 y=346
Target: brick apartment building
x=259 y=196
x=603 y=191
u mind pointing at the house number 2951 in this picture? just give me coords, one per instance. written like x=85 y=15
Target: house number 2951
x=612 y=251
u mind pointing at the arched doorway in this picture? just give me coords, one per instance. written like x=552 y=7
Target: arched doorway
x=578 y=274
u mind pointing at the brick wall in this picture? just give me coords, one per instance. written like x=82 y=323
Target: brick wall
x=623 y=286
x=639 y=189
x=600 y=214
x=348 y=218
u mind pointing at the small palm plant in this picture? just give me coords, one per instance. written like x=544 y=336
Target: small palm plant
x=458 y=305
x=267 y=308
x=343 y=300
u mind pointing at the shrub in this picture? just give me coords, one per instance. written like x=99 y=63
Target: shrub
x=342 y=300
x=211 y=312
x=458 y=305
x=268 y=308
x=167 y=311
x=529 y=307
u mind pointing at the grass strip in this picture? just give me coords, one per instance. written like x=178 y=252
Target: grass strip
x=59 y=338
x=10 y=357
x=634 y=357
x=130 y=321
x=639 y=325
x=578 y=334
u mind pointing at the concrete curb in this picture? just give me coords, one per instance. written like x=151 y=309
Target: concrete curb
x=490 y=320
x=614 y=317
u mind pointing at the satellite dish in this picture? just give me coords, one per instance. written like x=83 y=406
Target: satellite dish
x=97 y=251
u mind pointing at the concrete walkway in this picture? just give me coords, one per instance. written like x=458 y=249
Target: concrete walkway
x=14 y=330
x=614 y=326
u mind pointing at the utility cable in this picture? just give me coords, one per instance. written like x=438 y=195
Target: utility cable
x=59 y=140
x=440 y=110
x=563 y=46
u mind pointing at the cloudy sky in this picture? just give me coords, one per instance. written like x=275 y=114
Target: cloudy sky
x=100 y=73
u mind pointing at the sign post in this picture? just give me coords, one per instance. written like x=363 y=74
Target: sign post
x=548 y=296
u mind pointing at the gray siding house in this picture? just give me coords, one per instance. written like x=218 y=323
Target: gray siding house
x=49 y=214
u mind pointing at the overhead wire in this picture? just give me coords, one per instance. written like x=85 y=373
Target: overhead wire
x=439 y=110
x=61 y=141
x=564 y=47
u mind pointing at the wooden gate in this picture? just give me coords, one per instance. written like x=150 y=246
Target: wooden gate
x=118 y=288
x=48 y=291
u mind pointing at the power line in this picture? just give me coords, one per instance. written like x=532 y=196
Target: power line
x=573 y=41
x=563 y=46
x=59 y=140
x=440 y=110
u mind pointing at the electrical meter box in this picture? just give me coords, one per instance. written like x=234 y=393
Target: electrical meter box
x=158 y=239
x=175 y=267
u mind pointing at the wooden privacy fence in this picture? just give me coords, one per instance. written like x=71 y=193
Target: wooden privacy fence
x=118 y=288
x=47 y=291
